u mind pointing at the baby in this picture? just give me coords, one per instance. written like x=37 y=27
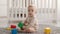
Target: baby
x=31 y=23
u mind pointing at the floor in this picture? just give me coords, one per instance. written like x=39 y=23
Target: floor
x=55 y=30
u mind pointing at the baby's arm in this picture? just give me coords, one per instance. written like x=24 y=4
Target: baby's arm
x=34 y=28
x=31 y=29
x=25 y=23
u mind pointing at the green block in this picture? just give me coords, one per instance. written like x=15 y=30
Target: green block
x=20 y=25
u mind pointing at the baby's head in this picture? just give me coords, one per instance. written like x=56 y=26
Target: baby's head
x=31 y=11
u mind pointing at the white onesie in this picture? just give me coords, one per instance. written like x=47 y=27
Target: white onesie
x=32 y=23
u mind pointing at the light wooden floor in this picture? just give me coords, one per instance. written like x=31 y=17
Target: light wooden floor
x=55 y=30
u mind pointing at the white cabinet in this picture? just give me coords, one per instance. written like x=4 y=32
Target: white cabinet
x=3 y=12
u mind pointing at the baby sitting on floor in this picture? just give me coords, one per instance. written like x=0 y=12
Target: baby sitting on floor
x=31 y=23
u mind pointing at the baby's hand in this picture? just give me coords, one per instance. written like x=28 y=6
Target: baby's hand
x=23 y=28
x=25 y=23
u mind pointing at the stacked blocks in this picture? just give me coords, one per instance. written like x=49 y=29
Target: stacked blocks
x=14 y=30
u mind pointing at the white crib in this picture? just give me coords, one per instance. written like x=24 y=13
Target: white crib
x=46 y=10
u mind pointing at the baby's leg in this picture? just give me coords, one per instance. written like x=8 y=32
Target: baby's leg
x=30 y=30
x=27 y=30
x=21 y=30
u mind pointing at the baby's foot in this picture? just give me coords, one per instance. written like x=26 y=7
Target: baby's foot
x=31 y=30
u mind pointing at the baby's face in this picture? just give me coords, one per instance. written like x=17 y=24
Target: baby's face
x=31 y=11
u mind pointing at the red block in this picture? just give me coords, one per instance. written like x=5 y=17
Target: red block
x=13 y=26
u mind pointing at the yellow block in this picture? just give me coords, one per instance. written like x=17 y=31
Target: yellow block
x=47 y=30
x=8 y=28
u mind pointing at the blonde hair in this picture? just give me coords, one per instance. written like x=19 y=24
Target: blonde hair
x=32 y=7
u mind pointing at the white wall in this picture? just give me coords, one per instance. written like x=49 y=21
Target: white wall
x=58 y=9
x=3 y=12
x=3 y=7
x=58 y=13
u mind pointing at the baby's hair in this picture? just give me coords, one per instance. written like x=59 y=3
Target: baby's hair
x=32 y=6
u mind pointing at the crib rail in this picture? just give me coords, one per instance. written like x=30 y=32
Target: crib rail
x=46 y=9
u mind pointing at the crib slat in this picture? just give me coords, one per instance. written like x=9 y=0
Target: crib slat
x=18 y=3
x=23 y=3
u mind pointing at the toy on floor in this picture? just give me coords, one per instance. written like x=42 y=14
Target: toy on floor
x=8 y=28
x=47 y=30
x=14 y=30
x=20 y=25
x=13 y=26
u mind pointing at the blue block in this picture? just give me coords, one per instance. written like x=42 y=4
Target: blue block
x=14 y=31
